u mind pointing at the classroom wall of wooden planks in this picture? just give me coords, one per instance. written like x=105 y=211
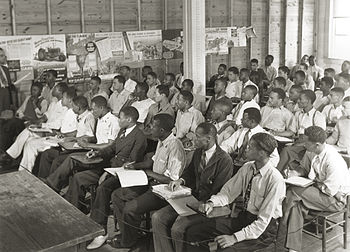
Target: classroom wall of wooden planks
x=284 y=28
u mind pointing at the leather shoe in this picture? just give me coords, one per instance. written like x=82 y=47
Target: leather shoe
x=97 y=242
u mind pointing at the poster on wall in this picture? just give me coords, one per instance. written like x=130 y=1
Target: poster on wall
x=216 y=40
x=110 y=53
x=82 y=60
x=49 y=52
x=18 y=50
x=172 y=44
x=149 y=43
x=237 y=36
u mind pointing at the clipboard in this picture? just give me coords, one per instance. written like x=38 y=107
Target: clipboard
x=217 y=211
x=82 y=158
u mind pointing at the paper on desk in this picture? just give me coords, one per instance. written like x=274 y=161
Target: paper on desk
x=164 y=191
x=179 y=205
x=299 y=181
x=129 y=178
x=283 y=139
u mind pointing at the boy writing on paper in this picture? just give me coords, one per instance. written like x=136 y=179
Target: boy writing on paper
x=131 y=203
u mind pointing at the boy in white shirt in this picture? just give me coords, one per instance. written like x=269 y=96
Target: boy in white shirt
x=322 y=95
x=142 y=103
x=283 y=71
x=119 y=96
x=95 y=89
x=234 y=86
x=334 y=110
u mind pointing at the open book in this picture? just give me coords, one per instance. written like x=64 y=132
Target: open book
x=129 y=178
x=299 y=181
x=164 y=191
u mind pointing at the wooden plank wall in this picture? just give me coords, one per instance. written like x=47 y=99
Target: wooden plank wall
x=270 y=18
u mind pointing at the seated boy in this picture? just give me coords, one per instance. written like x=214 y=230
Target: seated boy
x=169 y=81
x=219 y=95
x=334 y=110
x=322 y=95
x=218 y=167
x=292 y=102
x=234 y=86
x=263 y=189
x=95 y=89
x=283 y=71
x=141 y=102
x=119 y=96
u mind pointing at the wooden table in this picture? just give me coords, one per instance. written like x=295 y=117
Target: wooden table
x=35 y=218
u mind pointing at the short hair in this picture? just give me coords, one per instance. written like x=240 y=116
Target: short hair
x=148 y=67
x=172 y=76
x=253 y=114
x=281 y=80
x=284 y=69
x=233 y=70
x=143 y=86
x=153 y=74
x=53 y=72
x=328 y=80
x=130 y=112
x=96 y=78
x=301 y=73
x=99 y=101
x=188 y=96
x=305 y=66
x=38 y=85
x=208 y=129
x=163 y=89
x=338 y=90
x=297 y=88
x=165 y=121
x=81 y=102
x=309 y=94
x=188 y=82
x=270 y=56
x=62 y=87
x=244 y=70
x=346 y=99
x=126 y=67
x=70 y=92
x=281 y=93
x=225 y=105
x=222 y=80
x=223 y=65
x=252 y=88
x=120 y=79
x=329 y=70
x=265 y=142
x=254 y=61
x=316 y=134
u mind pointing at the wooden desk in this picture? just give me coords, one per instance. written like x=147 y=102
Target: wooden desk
x=35 y=218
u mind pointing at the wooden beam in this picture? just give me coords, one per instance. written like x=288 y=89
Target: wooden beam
x=249 y=42
x=300 y=28
x=82 y=18
x=285 y=6
x=48 y=15
x=165 y=26
x=210 y=25
x=139 y=15
x=268 y=26
x=231 y=18
x=315 y=28
x=13 y=16
x=112 y=15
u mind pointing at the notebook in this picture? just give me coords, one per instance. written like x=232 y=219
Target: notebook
x=180 y=205
x=216 y=212
x=164 y=191
x=299 y=181
x=129 y=178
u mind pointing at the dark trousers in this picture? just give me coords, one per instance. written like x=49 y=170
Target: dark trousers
x=80 y=182
x=46 y=159
x=101 y=205
x=5 y=99
x=130 y=204
x=214 y=227
x=9 y=130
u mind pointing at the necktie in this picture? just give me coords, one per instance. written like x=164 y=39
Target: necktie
x=122 y=135
x=249 y=188
x=202 y=162
x=237 y=109
x=242 y=149
x=3 y=78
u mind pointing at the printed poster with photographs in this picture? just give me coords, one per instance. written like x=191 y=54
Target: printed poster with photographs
x=82 y=57
x=172 y=44
x=147 y=45
x=18 y=50
x=49 y=52
x=237 y=36
x=110 y=53
x=216 y=40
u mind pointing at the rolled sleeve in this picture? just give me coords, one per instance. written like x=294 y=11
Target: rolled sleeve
x=176 y=162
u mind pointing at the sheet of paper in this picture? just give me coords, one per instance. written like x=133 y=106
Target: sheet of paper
x=179 y=205
x=164 y=191
x=129 y=178
x=104 y=49
x=283 y=139
x=299 y=181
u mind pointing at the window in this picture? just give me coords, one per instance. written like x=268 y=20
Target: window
x=339 y=29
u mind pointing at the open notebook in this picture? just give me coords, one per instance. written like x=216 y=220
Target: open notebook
x=163 y=191
x=299 y=181
x=129 y=178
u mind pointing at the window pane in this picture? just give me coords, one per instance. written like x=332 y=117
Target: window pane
x=341 y=8
x=341 y=47
x=342 y=26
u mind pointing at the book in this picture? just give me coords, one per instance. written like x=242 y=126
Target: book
x=180 y=205
x=299 y=181
x=129 y=178
x=164 y=191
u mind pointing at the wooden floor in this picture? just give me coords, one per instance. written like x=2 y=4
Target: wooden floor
x=310 y=244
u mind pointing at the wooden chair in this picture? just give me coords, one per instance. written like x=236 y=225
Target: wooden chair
x=322 y=218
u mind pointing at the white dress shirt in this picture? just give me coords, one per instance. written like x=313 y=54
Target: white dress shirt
x=55 y=114
x=249 y=82
x=107 y=128
x=130 y=85
x=86 y=124
x=275 y=118
x=332 y=113
x=117 y=100
x=69 y=122
x=302 y=120
x=268 y=190
x=237 y=112
x=143 y=107
x=331 y=170
x=187 y=121
x=234 y=89
x=320 y=99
